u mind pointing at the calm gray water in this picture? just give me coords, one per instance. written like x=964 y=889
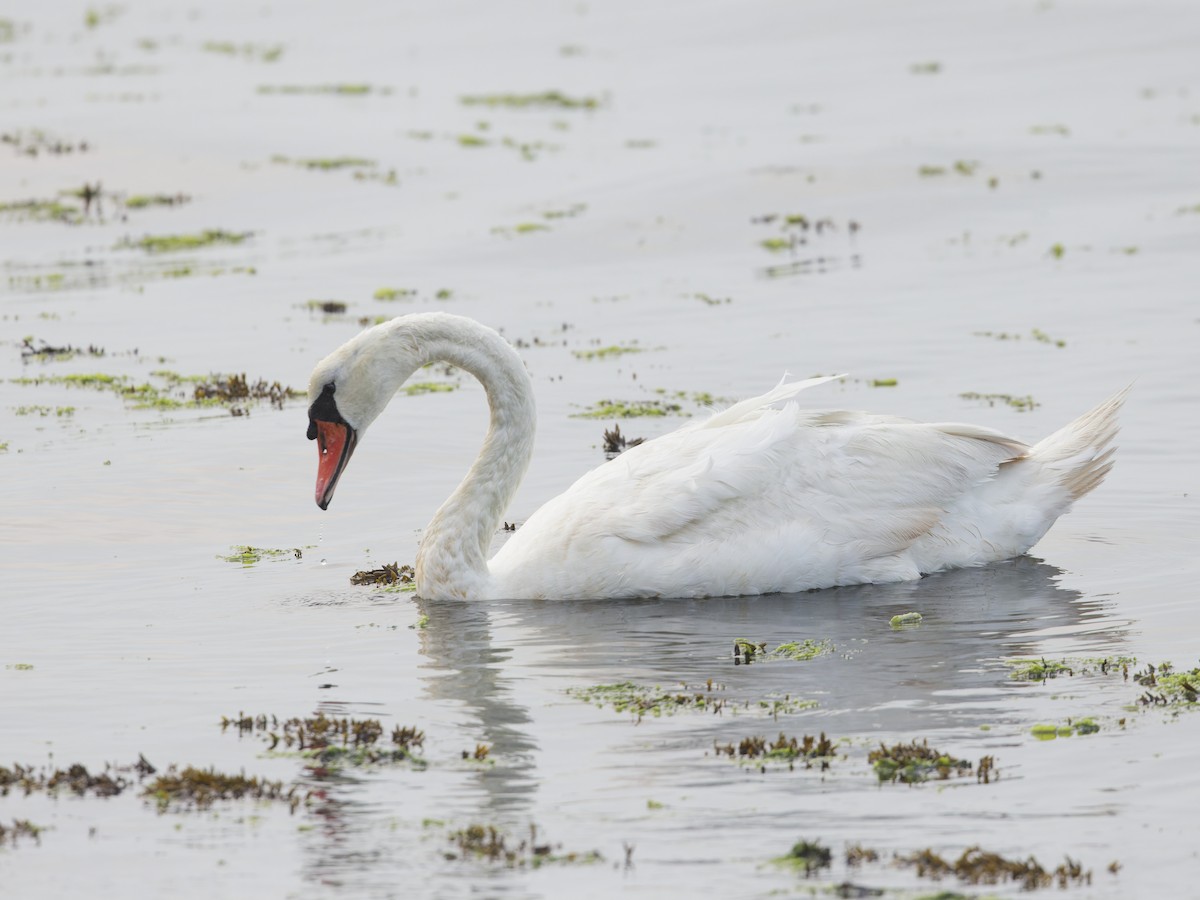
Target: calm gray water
x=1023 y=184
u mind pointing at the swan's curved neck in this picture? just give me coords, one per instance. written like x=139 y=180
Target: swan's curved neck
x=452 y=559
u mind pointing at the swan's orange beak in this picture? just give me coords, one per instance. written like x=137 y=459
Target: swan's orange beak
x=335 y=444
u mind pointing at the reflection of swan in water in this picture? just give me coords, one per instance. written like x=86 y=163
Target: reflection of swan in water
x=751 y=500
x=465 y=666
x=972 y=617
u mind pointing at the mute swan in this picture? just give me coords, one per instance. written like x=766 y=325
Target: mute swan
x=761 y=497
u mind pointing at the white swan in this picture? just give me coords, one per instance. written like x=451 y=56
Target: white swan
x=761 y=497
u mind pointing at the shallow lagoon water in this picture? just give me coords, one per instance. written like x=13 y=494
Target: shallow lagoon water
x=125 y=632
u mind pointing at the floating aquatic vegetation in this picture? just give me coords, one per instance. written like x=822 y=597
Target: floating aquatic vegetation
x=229 y=388
x=1056 y=129
x=1041 y=669
x=390 y=293
x=925 y=68
x=141 y=201
x=1037 y=334
x=913 y=763
x=46 y=352
x=712 y=301
x=195 y=788
x=487 y=843
x=332 y=741
x=625 y=696
x=44 y=211
x=609 y=352
x=884 y=382
x=479 y=754
x=1166 y=687
x=329 y=307
x=807 y=855
x=343 y=90
x=630 y=409
x=260 y=52
x=249 y=556
x=782 y=749
x=326 y=163
x=746 y=652
x=20 y=829
x=905 y=619
x=1045 y=732
x=76 y=779
x=1020 y=404
x=61 y=412
x=414 y=388
x=207 y=390
x=975 y=866
x=392 y=573
x=543 y=100
x=616 y=443
x=175 y=243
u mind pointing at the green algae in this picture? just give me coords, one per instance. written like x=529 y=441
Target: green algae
x=542 y=100
x=489 y=844
x=234 y=392
x=905 y=619
x=1041 y=669
x=248 y=556
x=412 y=389
x=196 y=788
x=747 y=651
x=913 y=763
x=1020 y=404
x=786 y=749
x=326 y=163
x=388 y=574
x=809 y=856
x=609 y=352
x=391 y=293
x=884 y=382
x=20 y=829
x=1036 y=334
x=175 y=243
x=630 y=409
x=641 y=701
x=44 y=211
x=260 y=52
x=142 y=201
x=337 y=89
x=1167 y=687
x=331 y=742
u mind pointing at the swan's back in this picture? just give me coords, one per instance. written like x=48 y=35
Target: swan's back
x=758 y=499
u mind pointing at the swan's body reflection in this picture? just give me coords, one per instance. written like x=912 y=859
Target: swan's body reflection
x=505 y=667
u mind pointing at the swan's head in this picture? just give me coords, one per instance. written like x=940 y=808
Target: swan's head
x=349 y=389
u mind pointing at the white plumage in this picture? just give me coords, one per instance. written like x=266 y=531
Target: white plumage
x=764 y=496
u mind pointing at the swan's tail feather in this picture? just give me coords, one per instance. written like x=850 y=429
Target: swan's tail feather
x=1079 y=453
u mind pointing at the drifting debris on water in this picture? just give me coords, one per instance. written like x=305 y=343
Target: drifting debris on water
x=913 y=763
x=487 y=843
x=47 y=352
x=616 y=443
x=32 y=143
x=906 y=619
x=782 y=749
x=480 y=754
x=331 y=740
x=391 y=573
x=1044 y=732
x=329 y=307
x=1167 y=687
x=1037 y=334
x=976 y=866
x=631 y=409
x=609 y=352
x=343 y=90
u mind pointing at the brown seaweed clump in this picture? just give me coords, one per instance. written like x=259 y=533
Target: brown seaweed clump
x=616 y=443
x=914 y=762
x=489 y=844
x=199 y=788
x=75 y=778
x=20 y=828
x=975 y=866
x=783 y=749
x=392 y=573
x=235 y=387
x=332 y=740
